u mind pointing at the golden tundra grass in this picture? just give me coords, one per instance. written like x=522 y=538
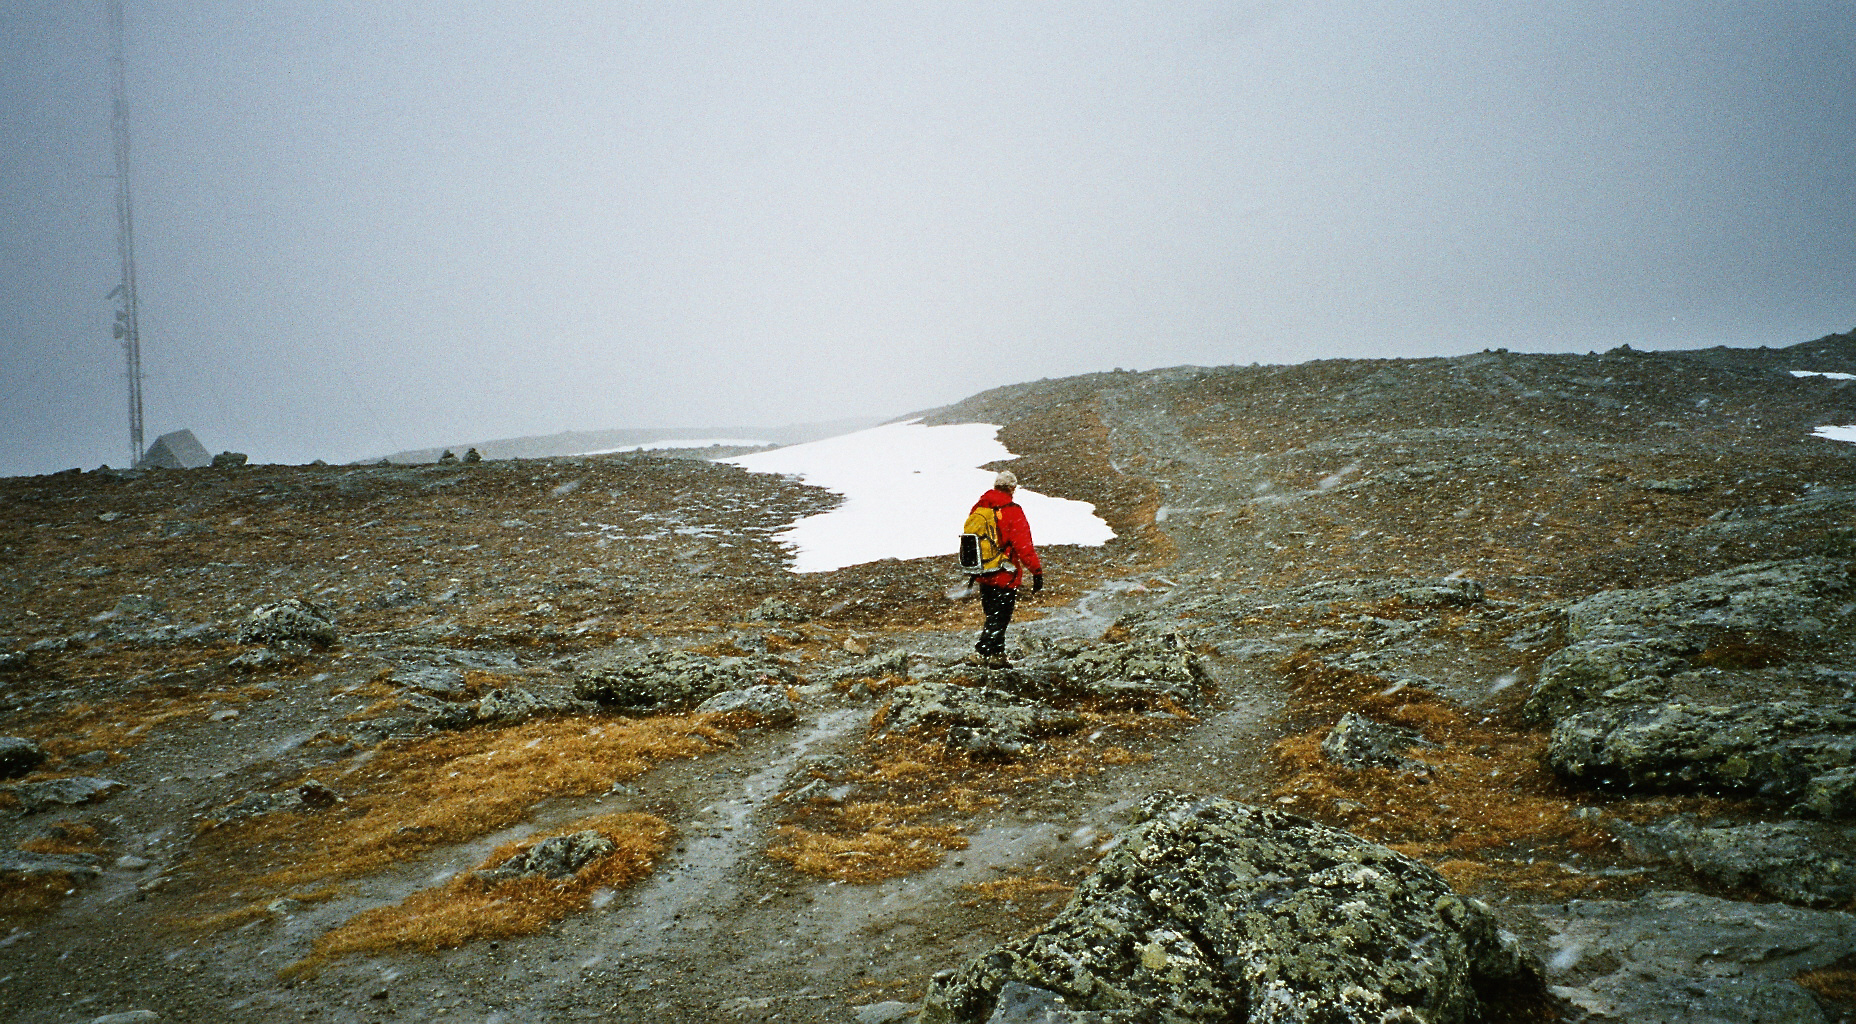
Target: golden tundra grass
x=1489 y=801
x=466 y=908
x=914 y=777
x=22 y=895
x=412 y=797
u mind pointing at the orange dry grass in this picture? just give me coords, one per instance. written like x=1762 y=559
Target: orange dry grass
x=467 y=908
x=1835 y=983
x=66 y=837
x=23 y=896
x=1489 y=788
x=1032 y=890
x=913 y=776
x=415 y=796
x=82 y=728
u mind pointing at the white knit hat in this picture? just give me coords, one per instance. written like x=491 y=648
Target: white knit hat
x=1005 y=479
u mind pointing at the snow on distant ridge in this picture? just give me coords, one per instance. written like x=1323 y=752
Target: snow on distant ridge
x=1829 y=432
x=907 y=489
x=725 y=442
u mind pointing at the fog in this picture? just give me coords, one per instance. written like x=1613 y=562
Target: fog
x=372 y=226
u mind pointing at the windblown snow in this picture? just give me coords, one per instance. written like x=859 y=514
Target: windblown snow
x=907 y=489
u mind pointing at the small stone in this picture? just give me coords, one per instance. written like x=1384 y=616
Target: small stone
x=291 y=621
x=229 y=460
x=131 y=862
x=223 y=715
x=885 y=1012
x=110 y=517
x=127 y=1017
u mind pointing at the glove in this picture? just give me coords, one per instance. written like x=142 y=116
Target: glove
x=1037 y=582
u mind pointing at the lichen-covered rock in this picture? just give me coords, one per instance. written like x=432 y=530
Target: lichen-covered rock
x=514 y=704
x=1605 y=669
x=1216 y=911
x=894 y=663
x=1147 y=666
x=1357 y=741
x=980 y=721
x=36 y=796
x=555 y=857
x=1800 y=862
x=1831 y=794
x=289 y=621
x=1792 y=596
x=19 y=756
x=775 y=609
x=658 y=680
x=1682 y=958
x=1772 y=749
x=765 y=703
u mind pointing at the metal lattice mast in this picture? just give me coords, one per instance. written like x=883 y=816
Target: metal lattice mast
x=127 y=329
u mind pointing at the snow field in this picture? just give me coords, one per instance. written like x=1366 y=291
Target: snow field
x=1847 y=433
x=907 y=489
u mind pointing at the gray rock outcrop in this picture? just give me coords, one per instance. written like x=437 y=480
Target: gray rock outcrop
x=979 y=721
x=36 y=796
x=1629 y=646
x=512 y=705
x=1782 y=750
x=1146 y=666
x=1682 y=958
x=289 y=621
x=1357 y=741
x=1216 y=911
x=660 y=680
x=1812 y=863
x=33 y=865
x=19 y=756
x=767 y=703
x=556 y=857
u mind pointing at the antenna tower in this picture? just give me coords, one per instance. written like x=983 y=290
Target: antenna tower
x=127 y=330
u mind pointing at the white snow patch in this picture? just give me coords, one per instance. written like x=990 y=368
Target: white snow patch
x=721 y=442
x=1823 y=373
x=907 y=489
x=1837 y=433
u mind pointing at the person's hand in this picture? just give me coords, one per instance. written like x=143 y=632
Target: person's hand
x=1037 y=582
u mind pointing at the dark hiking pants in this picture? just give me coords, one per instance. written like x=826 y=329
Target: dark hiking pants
x=998 y=603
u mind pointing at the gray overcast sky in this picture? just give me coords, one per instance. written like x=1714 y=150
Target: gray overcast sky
x=366 y=226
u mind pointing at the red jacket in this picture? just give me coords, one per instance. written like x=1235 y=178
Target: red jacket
x=1015 y=535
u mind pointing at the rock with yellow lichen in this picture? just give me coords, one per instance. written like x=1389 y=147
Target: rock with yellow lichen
x=1217 y=911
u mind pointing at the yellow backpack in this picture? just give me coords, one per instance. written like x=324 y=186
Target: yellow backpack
x=981 y=551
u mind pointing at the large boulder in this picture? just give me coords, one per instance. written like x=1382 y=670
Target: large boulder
x=1681 y=958
x=514 y=705
x=1216 y=911
x=980 y=721
x=1775 y=749
x=290 y=621
x=661 y=680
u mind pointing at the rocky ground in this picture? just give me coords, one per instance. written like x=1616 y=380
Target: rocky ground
x=1507 y=685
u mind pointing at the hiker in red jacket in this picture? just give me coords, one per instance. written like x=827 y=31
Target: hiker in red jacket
x=999 y=589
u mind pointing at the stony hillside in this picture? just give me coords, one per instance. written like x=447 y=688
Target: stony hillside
x=1556 y=651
